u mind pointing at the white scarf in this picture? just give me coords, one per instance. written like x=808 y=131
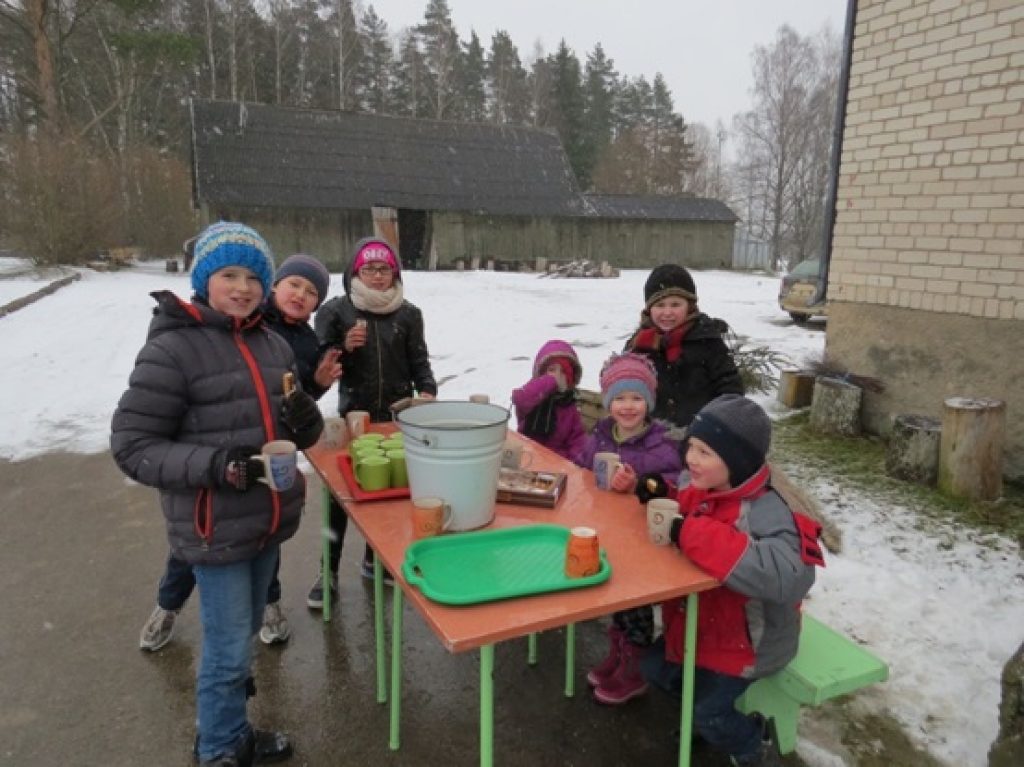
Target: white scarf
x=367 y=299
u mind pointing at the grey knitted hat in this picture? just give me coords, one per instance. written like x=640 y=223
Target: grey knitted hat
x=738 y=430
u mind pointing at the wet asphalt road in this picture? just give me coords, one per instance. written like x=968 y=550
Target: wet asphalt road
x=83 y=550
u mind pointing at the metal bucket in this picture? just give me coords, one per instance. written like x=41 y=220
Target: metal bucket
x=453 y=451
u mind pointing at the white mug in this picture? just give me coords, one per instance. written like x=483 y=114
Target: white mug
x=605 y=465
x=280 y=463
x=512 y=456
x=660 y=513
x=335 y=433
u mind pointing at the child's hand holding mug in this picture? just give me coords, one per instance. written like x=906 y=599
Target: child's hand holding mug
x=356 y=336
x=624 y=479
x=556 y=372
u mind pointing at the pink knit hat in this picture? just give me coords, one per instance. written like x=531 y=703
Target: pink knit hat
x=375 y=252
x=628 y=372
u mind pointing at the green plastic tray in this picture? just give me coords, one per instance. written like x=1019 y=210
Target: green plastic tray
x=468 y=568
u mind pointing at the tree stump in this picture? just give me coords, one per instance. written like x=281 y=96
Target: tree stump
x=171 y=265
x=1008 y=748
x=835 y=407
x=971 y=448
x=796 y=388
x=913 y=452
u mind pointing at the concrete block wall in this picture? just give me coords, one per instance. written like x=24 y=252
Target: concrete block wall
x=931 y=192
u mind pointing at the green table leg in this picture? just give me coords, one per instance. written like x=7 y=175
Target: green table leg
x=689 y=654
x=378 y=630
x=325 y=554
x=570 y=660
x=487 y=706
x=531 y=649
x=396 y=666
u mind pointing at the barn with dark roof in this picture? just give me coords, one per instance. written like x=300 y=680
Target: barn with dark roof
x=317 y=181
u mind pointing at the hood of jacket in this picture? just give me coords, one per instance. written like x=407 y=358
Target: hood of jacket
x=552 y=350
x=172 y=313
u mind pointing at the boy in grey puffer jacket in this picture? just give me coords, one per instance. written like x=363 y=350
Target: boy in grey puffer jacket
x=207 y=391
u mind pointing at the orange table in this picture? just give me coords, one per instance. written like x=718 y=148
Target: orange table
x=641 y=574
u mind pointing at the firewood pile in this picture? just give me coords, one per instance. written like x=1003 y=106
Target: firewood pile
x=585 y=268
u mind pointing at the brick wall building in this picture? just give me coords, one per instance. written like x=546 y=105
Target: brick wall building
x=926 y=282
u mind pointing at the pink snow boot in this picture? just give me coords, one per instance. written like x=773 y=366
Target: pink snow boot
x=602 y=673
x=627 y=682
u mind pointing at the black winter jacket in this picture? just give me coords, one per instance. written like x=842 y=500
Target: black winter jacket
x=703 y=371
x=393 y=364
x=305 y=345
x=205 y=383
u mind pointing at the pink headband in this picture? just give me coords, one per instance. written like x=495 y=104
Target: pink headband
x=375 y=252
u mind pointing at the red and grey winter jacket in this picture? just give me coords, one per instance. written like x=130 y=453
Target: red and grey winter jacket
x=764 y=555
x=205 y=383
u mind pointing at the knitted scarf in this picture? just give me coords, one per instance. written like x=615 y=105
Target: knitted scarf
x=541 y=421
x=367 y=299
x=651 y=339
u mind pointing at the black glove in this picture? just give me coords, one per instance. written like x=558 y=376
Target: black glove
x=241 y=470
x=650 y=486
x=300 y=412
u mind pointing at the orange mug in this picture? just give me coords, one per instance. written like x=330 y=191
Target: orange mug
x=430 y=517
x=583 y=553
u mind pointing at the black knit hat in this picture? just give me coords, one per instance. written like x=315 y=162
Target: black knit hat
x=738 y=430
x=301 y=265
x=668 y=280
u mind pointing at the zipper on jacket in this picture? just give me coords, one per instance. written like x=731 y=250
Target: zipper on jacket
x=381 y=407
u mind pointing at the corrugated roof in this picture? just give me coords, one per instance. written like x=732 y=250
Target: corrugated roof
x=257 y=155
x=659 y=208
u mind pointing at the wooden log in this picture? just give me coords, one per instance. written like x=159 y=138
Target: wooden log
x=913 y=450
x=835 y=407
x=796 y=388
x=171 y=265
x=971 y=448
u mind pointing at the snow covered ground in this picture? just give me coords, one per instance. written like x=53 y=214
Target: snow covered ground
x=945 y=611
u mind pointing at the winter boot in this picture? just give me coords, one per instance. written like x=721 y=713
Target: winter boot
x=627 y=682
x=603 y=672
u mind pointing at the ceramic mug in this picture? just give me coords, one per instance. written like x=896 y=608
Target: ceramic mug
x=430 y=517
x=399 y=471
x=279 y=464
x=660 y=513
x=335 y=434
x=373 y=472
x=363 y=452
x=605 y=465
x=483 y=399
x=358 y=422
x=513 y=454
x=391 y=444
x=582 y=553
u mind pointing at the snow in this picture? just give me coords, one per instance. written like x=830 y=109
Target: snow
x=945 y=610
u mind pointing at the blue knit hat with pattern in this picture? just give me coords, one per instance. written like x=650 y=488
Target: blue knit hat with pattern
x=227 y=244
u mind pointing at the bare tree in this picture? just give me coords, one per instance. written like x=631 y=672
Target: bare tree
x=780 y=139
x=707 y=175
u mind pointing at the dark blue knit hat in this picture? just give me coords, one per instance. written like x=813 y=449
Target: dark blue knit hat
x=739 y=430
x=301 y=265
x=227 y=244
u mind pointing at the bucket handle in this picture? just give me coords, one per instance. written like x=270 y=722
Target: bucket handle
x=427 y=440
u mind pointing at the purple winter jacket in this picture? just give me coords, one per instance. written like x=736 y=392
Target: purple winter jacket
x=650 y=452
x=567 y=437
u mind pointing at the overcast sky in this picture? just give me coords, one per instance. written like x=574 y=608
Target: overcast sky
x=701 y=47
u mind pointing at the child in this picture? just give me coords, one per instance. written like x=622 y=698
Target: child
x=546 y=404
x=686 y=346
x=735 y=527
x=300 y=286
x=628 y=389
x=384 y=356
x=206 y=393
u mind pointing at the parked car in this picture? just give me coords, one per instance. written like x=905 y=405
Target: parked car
x=797 y=288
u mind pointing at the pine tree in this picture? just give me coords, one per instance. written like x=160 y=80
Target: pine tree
x=472 y=101
x=567 y=115
x=411 y=87
x=374 y=73
x=599 y=94
x=507 y=82
x=441 y=53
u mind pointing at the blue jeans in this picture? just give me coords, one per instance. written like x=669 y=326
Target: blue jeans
x=231 y=602
x=177 y=584
x=715 y=717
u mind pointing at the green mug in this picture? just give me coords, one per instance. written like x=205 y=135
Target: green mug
x=399 y=471
x=358 y=456
x=373 y=472
x=363 y=442
x=391 y=444
x=372 y=436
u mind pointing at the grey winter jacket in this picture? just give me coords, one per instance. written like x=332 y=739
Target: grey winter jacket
x=205 y=383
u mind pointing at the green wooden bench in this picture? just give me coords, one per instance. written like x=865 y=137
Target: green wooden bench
x=826 y=666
